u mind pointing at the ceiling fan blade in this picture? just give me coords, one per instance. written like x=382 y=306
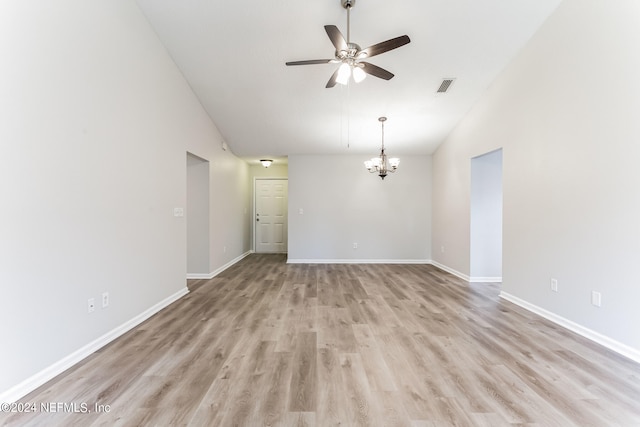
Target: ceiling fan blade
x=310 y=62
x=383 y=47
x=376 y=71
x=336 y=37
x=332 y=81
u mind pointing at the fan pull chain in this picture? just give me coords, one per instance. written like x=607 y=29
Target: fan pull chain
x=345 y=111
x=348 y=115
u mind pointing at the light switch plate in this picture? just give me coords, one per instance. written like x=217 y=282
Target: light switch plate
x=596 y=298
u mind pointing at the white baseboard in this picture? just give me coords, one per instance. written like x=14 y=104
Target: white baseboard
x=357 y=261
x=485 y=279
x=35 y=381
x=194 y=276
x=218 y=270
x=451 y=270
x=611 y=344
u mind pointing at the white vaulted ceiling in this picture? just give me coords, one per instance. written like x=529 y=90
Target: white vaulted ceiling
x=233 y=55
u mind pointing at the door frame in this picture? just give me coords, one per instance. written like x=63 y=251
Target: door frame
x=253 y=203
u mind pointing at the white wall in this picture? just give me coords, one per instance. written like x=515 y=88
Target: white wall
x=565 y=113
x=96 y=121
x=486 y=218
x=273 y=171
x=343 y=204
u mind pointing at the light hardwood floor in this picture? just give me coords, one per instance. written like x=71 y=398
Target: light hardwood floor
x=266 y=343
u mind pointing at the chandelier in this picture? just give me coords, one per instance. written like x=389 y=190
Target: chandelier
x=380 y=164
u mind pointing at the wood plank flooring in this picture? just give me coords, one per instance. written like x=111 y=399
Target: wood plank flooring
x=270 y=344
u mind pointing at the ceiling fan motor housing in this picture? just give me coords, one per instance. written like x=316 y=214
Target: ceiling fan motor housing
x=350 y=53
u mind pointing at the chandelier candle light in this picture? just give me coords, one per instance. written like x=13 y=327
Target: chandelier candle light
x=380 y=164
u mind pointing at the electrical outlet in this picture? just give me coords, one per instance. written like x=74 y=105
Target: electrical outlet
x=105 y=299
x=596 y=298
x=355 y=246
x=442 y=248
x=91 y=305
x=554 y=285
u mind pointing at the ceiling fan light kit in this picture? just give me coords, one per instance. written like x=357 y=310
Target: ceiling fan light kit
x=351 y=57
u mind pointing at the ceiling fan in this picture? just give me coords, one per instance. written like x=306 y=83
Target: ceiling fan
x=351 y=56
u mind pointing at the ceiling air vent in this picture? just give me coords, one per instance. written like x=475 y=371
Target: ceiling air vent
x=445 y=85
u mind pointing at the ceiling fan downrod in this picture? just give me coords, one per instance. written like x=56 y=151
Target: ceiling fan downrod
x=348 y=4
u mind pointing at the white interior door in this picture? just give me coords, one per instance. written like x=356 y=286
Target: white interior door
x=271 y=215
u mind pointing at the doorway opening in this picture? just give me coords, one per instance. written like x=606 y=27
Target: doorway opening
x=271 y=215
x=197 y=217
x=486 y=218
